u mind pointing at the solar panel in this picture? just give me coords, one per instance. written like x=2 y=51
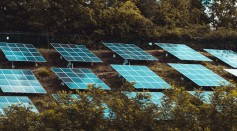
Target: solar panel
x=75 y=53
x=130 y=51
x=108 y=113
x=155 y=97
x=143 y=77
x=19 y=81
x=183 y=52
x=79 y=78
x=200 y=74
x=227 y=56
x=21 y=52
x=7 y=101
x=206 y=95
x=232 y=71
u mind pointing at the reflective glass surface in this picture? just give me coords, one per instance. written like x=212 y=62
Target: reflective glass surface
x=130 y=51
x=142 y=76
x=79 y=78
x=200 y=74
x=227 y=56
x=75 y=53
x=183 y=52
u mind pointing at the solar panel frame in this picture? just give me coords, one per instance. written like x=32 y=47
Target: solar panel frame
x=108 y=113
x=200 y=75
x=183 y=52
x=130 y=51
x=227 y=56
x=232 y=71
x=79 y=78
x=7 y=101
x=75 y=53
x=19 y=81
x=21 y=52
x=143 y=77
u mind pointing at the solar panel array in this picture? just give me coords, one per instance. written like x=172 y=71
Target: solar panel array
x=21 y=52
x=7 y=101
x=183 y=52
x=204 y=95
x=79 y=78
x=227 y=56
x=19 y=81
x=154 y=97
x=130 y=51
x=143 y=77
x=200 y=74
x=232 y=71
x=75 y=53
x=108 y=113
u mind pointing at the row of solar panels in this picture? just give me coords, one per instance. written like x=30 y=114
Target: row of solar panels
x=79 y=53
x=24 y=81
x=24 y=101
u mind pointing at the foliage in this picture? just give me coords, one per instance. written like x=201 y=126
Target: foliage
x=178 y=111
x=91 y=22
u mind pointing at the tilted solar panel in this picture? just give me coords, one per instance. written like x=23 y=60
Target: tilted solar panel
x=183 y=52
x=7 y=101
x=232 y=71
x=74 y=53
x=79 y=78
x=19 y=81
x=143 y=77
x=227 y=56
x=130 y=51
x=200 y=74
x=154 y=97
x=108 y=113
x=204 y=95
x=21 y=52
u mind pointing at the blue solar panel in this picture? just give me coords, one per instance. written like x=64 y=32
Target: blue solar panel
x=200 y=74
x=154 y=97
x=79 y=78
x=183 y=52
x=227 y=56
x=21 y=52
x=19 y=81
x=108 y=113
x=130 y=51
x=232 y=71
x=75 y=53
x=7 y=101
x=205 y=95
x=143 y=77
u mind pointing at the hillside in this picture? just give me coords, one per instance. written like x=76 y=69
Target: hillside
x=52 y=84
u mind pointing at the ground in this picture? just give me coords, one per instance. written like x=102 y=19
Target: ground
x=103 y=70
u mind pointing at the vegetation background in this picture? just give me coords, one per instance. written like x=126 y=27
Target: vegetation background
x=196 y=22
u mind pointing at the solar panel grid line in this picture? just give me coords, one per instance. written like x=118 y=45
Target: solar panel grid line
x=78 y=53
x=19 y=81
x=200 y=74
x=227 y=56
x=21 y=52
x=7 y=101
x=142 y=76
x=79 y=78
x=183 y=52
x=130 y=51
